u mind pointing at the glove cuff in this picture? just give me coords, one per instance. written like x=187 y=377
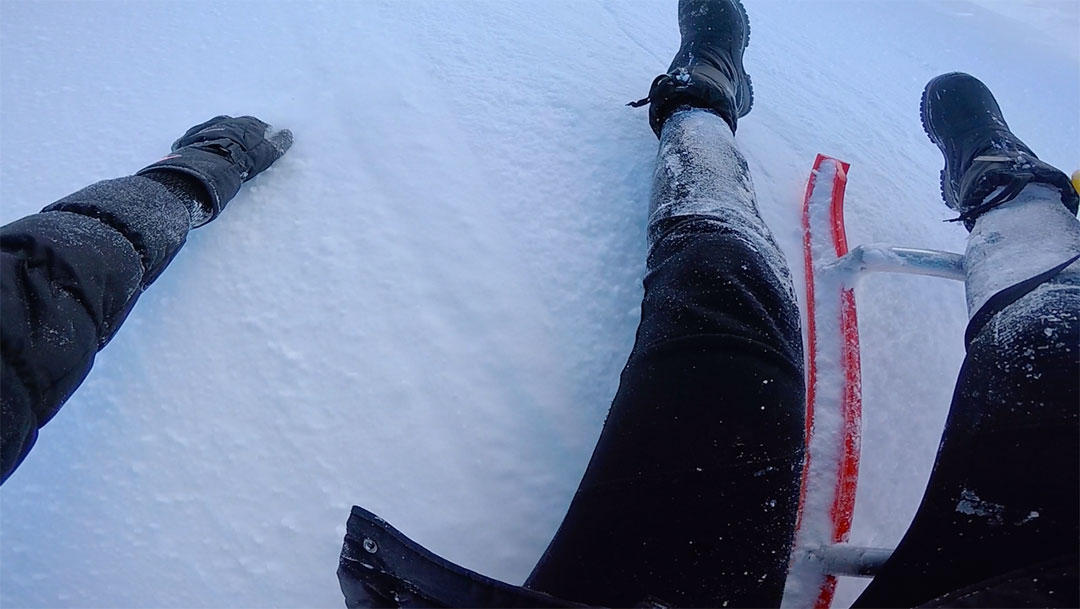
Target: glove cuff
x=188 y=189
x=219 y=175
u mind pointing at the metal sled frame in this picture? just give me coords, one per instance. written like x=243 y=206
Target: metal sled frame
x=833 y=388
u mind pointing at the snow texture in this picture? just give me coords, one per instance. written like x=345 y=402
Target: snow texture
x=701 y=172
x=1000 y=253
x=424 y=307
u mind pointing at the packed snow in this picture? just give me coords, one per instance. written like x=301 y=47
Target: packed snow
x=424 y=307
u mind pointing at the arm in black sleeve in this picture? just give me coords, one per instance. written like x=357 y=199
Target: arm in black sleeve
x=68 y=278
x=71 y=273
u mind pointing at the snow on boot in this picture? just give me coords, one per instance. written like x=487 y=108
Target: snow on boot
x=1031 y=244
x=981 y=154
x=708 y=70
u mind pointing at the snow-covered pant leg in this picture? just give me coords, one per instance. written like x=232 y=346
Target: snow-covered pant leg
x=692 y=490
x=1003 y=495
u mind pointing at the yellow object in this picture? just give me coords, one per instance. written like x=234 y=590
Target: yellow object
x=1076 y=180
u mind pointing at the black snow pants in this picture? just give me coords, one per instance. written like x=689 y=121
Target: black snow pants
x=998 y=523
x=691 y=494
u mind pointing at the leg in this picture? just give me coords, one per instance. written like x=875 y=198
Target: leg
x=1003 y=493
x=691 y=493
x=998 y=524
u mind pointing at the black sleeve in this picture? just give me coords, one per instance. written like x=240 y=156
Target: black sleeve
x=68 y=278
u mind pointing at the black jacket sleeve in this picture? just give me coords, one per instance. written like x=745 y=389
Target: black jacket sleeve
x=68 y=278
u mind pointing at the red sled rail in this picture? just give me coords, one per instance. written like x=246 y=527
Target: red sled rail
x=834 y=386
x=833 y=390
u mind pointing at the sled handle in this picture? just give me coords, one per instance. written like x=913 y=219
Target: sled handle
x=848 y=560
x=864 y=259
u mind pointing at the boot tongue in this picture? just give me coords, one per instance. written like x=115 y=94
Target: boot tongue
x=721 y=61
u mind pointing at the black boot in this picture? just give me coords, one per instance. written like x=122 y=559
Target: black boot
x=708 y=71
x=981 y=154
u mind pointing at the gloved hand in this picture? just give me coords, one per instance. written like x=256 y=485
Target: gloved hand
x=222 y=153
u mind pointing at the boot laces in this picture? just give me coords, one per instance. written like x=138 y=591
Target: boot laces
x=1011 y=190
x=648 y=98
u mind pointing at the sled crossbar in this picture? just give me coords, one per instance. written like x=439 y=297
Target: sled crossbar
x=848 y=560
x=891 y=259
x=834 y=386
x=842 y=559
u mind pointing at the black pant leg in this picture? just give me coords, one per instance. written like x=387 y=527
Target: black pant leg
x=1004 y=491
x=691 y=493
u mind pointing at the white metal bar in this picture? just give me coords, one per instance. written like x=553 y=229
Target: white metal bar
x=891 y=259
x=849 y=560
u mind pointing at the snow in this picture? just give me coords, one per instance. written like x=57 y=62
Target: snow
x=425 y=306
x=973 y=506
x=700 y=172
x=999 y=253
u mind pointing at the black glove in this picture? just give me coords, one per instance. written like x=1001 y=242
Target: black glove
x=222 y=153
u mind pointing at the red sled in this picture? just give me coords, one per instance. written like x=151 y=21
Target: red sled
x=834 y=387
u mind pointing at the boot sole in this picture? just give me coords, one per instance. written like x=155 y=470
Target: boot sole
x=926 y=128
x=746 y=43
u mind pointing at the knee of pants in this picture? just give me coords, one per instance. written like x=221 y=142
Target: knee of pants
x=1031 y=348
x=1022 y=366
x=705 y=278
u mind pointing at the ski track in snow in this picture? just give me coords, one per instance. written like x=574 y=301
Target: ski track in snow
x=425 y=306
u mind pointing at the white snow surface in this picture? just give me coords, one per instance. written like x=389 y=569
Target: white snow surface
x=425 y=306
